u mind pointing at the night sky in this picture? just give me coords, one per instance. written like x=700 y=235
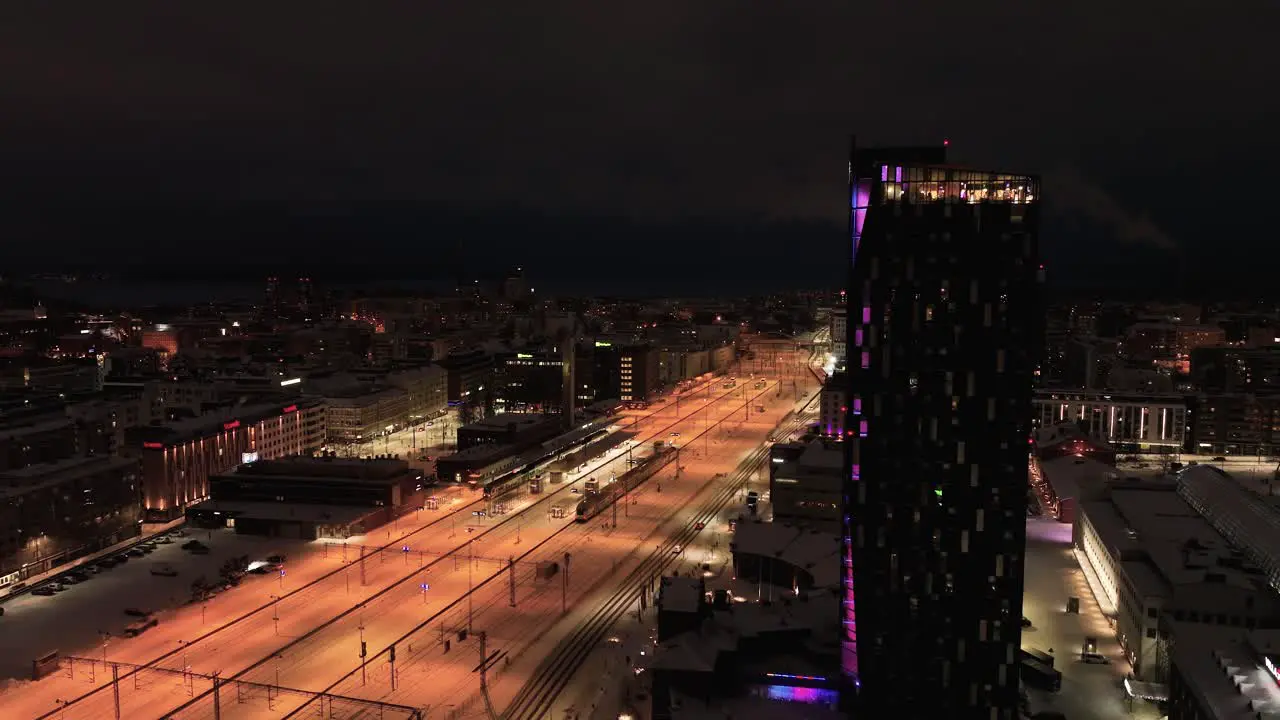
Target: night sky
x=663 y=142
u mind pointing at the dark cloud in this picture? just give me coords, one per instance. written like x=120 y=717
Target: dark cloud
x=652 y=110
x=1075 y=195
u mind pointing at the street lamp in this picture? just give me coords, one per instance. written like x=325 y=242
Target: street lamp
x=275 y=613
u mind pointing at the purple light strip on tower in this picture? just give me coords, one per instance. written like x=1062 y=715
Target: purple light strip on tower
x=860 y=197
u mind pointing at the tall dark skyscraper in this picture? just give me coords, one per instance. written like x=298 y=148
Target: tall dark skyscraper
x=271 y=299
x=306 y=300
x=944 y=328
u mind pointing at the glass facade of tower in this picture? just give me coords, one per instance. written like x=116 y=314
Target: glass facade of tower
x=945 y=320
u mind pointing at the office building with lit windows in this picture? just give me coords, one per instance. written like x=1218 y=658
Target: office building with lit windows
x=944 y=327
x=1130 y=422
x=608 y=370
x=178 y=458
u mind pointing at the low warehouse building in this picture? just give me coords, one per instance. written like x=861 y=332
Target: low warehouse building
x=309 y=498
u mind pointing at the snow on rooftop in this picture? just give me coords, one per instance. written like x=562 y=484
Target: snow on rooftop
x=817 y=613
x=1224 y=669
x=295 y=512
x=1245 y=519
x=1167 y=542
x=681 y=594
x=1076 y=477
x=822 y=455
x=814 y=551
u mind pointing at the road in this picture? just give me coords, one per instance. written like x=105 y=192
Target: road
x=311 y=635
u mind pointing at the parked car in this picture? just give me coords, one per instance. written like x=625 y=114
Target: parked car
x=192 y=545
x=44 y=591
x=1026 y=621
x=1094 y=658
x=136 y=552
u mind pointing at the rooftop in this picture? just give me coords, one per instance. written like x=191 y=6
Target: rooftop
x=327 y=467
x=1224 y=669
x=216 y=421
x=681 y=594
x=295 y=512
x=1246 y=519
x=815 y=552
x=35 y=477
x=506 y=420
x=820 y=454
x=358 y=393
x=1076 y=477
x=36 y=427
x=1166 y=542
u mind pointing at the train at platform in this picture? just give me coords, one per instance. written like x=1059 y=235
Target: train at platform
x=596 y=502
x=553 y=458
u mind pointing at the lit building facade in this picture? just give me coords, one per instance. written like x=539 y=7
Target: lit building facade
x=623 y=372
x=839 y=335
x=1129 y=422
x=178 y=458
x=55 y=512
x=805 y=486
x=945 y=324
x=833 y=406
x=529 y=382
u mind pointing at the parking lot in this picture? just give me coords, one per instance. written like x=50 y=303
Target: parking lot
x=73 y=621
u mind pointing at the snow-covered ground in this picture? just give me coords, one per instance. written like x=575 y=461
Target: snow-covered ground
x=1051 y=576
x=74 y=619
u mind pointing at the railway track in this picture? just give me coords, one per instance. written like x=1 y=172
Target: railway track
x=239 y=620
x=534 y=701
x=392 y=546
x=410 y=577
x=405 y=637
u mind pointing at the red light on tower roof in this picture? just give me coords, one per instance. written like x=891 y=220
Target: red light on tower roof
x=945 y=142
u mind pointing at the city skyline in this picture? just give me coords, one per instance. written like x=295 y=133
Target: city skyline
x=572 y=360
